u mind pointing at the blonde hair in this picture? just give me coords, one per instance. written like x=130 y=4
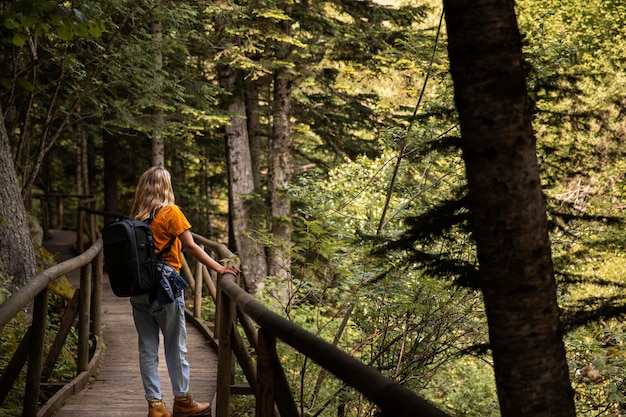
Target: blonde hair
x=154 y=191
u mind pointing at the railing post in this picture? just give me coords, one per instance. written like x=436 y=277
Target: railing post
x=83 y=318
x=96 y=298
x=197 y=292
x=219 y=296
x=35 y=355
x=266 y=373
x=64 y=329
x=226 y=318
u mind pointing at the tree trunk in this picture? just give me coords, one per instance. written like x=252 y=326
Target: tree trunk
x=82 y=170
x=111 y=190
x=280 y=251
x=18 y=255
x=241 y=182
x=254 y=129
x=158 y=143
x=508 y=210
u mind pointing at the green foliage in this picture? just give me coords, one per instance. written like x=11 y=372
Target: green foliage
x=597 y=358
x=400 y=316
x=381 y=228
x=24 y=19
x=575 y=85
x=465 y=387
x=10 y=338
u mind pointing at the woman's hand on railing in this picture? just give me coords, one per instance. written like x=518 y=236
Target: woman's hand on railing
x=230 y=269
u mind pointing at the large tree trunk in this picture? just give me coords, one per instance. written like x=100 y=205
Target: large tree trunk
x=18 y=255
x=508 y=210
x=241 y=183
x=82 y=169
x=111 y=189
x=254 y=129
x=158 y=143
x=280 y=251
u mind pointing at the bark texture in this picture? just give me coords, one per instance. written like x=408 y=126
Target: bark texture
x=241 y=183
x=158 y=142
x=280 y=251
x=17 y=255
x=508 y=209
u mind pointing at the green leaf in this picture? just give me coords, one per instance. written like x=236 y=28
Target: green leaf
x=6 y=82
x=19 y=39
x=29 y=21
x=274 y=14
x=11 y=23
x=95 y=31
x=26 y=84
x=65 y=33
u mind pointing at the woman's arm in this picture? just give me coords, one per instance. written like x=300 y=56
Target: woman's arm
x=192 y=247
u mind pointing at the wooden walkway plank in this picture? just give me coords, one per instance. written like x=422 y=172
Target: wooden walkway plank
x=116 y=390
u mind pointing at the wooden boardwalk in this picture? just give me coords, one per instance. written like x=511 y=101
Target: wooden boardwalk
x=116 y=389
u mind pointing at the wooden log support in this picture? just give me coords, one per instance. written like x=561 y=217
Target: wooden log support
x=35 y=354
x=186 y=273
x=227 y=313
x=208 y=281
x=197 y=293
x=284 y=397
x=59 y=340
x=244 y=359
x=84 y=319
x=96 y=295
x=266 y=374
x=218 y=307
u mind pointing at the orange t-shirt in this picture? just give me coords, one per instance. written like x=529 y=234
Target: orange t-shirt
x=170 y=222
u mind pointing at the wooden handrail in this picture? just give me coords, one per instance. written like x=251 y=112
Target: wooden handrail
x=392 y=398
x=266 y=377
x=29 y=291
x=36 y=291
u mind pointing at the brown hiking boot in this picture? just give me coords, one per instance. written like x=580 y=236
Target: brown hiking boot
x=157 y=409
x=186 y=406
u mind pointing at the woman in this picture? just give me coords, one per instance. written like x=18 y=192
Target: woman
x=154 y=199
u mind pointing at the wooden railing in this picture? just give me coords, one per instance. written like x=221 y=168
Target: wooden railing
x=266 y=377
x=235 y=309
x=86 y=304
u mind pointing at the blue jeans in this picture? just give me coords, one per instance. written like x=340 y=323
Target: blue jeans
x=170 y=320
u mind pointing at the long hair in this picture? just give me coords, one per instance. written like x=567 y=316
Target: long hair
x=154 y=191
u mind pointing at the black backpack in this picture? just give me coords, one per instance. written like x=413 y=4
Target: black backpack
x=130 y=258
